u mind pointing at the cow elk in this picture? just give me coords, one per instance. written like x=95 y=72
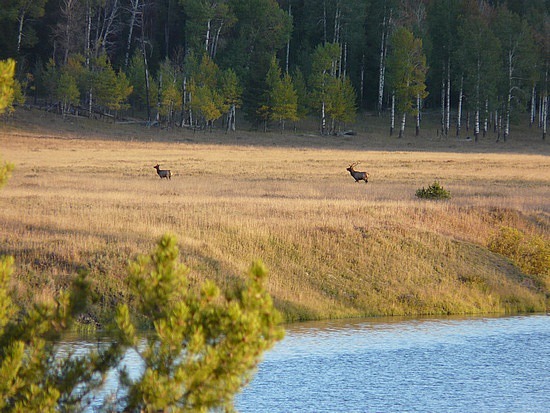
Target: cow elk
x=357 y=175
x=163 y=173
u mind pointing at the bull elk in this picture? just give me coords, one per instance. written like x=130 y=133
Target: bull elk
x=357 y=175
x=163 y=173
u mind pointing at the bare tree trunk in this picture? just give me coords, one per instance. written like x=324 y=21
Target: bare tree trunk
x=159 y=98
x=207 y=41
x=21 y=20
x=323 y=118
x=499 y=125
x=383 y=53
x=402 y=128
x=88 y=32
x=418 y=106
x=231 y=119
x=485 y=118
x=362 y=85
x=216 y=40
x=183 y=100
x=509 y=97
x=345 y=61
x=288 y=42
x=544 y=106
x=544 y=117
x=533 y=110
x=476 y=124
x=443 y=90
x=459 y=112
x=392 y=117
x=133 y=18
x=448 y=103
x=146 y=73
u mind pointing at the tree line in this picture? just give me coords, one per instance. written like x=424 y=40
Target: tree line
x=195 y=62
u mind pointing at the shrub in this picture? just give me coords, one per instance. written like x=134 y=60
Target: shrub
x=530 y=253
x=434 y=191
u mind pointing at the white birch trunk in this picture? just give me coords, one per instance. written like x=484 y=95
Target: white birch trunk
x=486 y=118
x=159 y=98
x=21 y=20
x=544 y=111
x=216 y=40
x=459 y=112
x=382 y=68
x=207 y=42
x=336 y=35
x=443 y=105
x=323 y=118
x=476 y=124
x=88 y=32
x=448 y=103
x=392 y=117
x=402 y=128
x=133 y=18
x=541 y=105
x=146 y=73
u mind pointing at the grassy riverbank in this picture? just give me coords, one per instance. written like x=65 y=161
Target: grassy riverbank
x=84 y=195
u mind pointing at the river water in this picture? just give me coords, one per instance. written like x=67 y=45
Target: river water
x=429 y=365
x=475 y=364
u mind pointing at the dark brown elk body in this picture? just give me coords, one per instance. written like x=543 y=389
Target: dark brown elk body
x=357 y=175
x=163 y=173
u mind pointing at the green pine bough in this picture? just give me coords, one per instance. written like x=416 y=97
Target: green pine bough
x=202 y=349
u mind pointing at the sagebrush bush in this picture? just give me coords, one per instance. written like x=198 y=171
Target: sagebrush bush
x=434 y=191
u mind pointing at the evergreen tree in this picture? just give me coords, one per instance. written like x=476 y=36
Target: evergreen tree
x=204 y=346
x=203 y=349
x=262 y=29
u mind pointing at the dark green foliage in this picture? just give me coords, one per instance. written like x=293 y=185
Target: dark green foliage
x=495 y=52
x=434 y=191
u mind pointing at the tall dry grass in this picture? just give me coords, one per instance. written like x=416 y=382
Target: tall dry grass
x=87 y=199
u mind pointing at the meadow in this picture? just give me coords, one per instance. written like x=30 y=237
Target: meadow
x=84 y=197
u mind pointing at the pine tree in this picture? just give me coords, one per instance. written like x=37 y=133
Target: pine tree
x=204 y=346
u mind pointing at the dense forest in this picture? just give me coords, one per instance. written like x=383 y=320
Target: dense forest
x=196 y=62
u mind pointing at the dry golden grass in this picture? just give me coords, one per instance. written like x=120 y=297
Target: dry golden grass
x=85 y=195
